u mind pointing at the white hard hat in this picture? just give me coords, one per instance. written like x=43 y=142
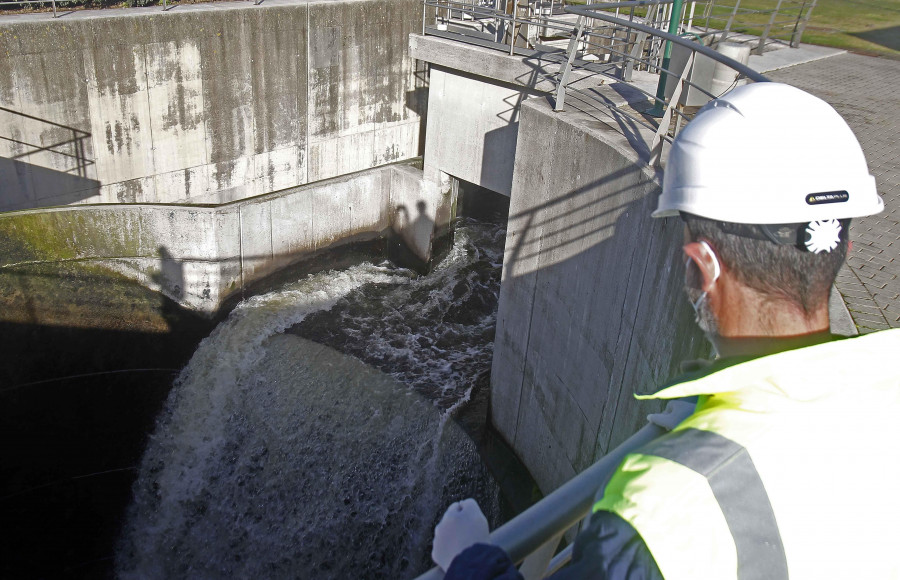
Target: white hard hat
x=768 y=153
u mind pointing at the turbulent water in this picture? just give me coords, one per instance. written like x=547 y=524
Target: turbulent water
x=435 y=333
x=279 y=457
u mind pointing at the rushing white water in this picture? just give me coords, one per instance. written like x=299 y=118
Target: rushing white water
x=434 y=334
x=278 y=457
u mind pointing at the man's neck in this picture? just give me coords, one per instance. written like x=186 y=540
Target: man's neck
x=757 y=346
x=751 y=324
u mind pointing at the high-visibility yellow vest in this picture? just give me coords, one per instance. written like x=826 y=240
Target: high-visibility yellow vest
x=788 y=468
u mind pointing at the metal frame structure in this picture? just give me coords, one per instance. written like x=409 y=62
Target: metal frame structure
x=784 y=21
x=633 y=55
x=604 y=48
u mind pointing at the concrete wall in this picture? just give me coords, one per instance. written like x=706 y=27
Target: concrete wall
x=204 y=103
x=473 y=109
x=473 y=124
x=591 y=307
x=199 y=256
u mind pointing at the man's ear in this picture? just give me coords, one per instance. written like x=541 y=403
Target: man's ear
x=704 y=257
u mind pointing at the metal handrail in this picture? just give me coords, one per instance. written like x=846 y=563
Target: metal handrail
x=544 y=523
x=744 y=70
x=612 y=51
x=630 y=56
x=165 y=5
x=787 y=17
x=506 y=22
x=53 y=2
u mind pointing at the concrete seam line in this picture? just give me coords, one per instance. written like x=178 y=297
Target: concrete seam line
x=553 y=136
x=307 y=67
x=632 y=338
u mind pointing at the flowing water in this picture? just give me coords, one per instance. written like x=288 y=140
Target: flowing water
x=281 y=457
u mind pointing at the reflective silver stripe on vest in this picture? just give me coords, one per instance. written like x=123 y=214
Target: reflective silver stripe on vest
x=740 y=493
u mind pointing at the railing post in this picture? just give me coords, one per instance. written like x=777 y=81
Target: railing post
x=567 y=67
x=737 y=5
x=765 y=35
x=54 y=7
x=709 y=11
x=800 y=26
x=674 y=22
x=512 y=36
x=656 y=144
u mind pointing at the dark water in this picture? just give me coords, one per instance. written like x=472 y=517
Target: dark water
x=280 y=457
x=434 y=333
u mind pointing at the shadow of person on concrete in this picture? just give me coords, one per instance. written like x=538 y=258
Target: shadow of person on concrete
x=412 y=244
x=171 y=282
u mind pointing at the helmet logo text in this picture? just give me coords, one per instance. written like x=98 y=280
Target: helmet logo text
x=827 y=197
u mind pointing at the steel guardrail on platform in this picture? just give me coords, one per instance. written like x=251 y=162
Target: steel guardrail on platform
x=667 y=104
x=605 y=49
x=76 y=3
x=517 y=25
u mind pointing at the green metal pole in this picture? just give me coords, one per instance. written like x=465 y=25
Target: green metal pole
x=674 y=21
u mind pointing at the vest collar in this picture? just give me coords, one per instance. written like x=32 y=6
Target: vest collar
x=799 y=373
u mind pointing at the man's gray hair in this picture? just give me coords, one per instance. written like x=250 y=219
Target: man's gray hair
x=781 y=271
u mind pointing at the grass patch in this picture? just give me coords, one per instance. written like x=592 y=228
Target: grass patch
x=867 y=26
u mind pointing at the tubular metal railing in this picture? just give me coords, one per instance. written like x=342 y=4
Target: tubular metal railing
x=517 y=25
x=72 y=3
x=605 y=49
x=532 y=537
x=501 y=21
x=785 y=22
x=26 y=2
x=700 y=74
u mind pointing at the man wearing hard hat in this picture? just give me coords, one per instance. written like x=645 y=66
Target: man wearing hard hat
x=788 y=465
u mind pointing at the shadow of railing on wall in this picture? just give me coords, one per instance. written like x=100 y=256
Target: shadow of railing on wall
x=43 y=163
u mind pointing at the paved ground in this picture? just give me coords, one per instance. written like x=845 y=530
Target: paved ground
x=866 y=91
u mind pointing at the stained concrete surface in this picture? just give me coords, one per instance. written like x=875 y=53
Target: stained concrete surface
x=199 y=256
x=205 y=103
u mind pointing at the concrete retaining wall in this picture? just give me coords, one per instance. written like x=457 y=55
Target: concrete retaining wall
x=472 y=127
x=199 y=256
x=473 y=109
x=591 y=307
x=204 y=103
